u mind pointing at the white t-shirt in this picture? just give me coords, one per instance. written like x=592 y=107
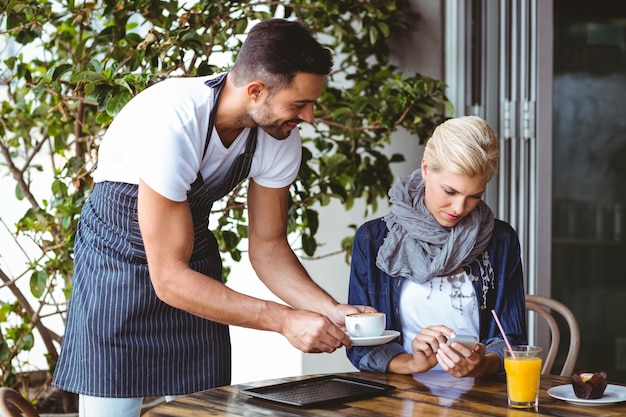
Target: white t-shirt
x=451 y=302
x=159 y=137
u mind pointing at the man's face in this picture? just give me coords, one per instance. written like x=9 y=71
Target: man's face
x=279 y=114
x=450 y=197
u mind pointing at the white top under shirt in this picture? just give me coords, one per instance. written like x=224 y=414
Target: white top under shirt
x=159 y=137
x=422 y=305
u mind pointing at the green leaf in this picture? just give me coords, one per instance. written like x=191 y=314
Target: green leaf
x=312 y=220
x=117 y=102
x=60 y=70
x=231 y=240
x=18 y=192
x=5 y=310
x=38 y=281
x=339 y=190
x=384 y=28
x=242 y=230
x=236 y=255
x=59 y=188
x=309 y=244
x=27 y=341
x=373 y=35
x=103 y=118
x=87 y=76
x=5 y=351
x=67 y=223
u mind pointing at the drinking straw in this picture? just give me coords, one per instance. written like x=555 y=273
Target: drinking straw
x=506 y=339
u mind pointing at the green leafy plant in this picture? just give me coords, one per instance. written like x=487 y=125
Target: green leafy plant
x=67 y=68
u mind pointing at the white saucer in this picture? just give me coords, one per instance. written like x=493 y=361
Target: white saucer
x=612 y=394
x=387 y=336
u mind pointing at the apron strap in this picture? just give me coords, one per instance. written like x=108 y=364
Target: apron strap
x=218 y=84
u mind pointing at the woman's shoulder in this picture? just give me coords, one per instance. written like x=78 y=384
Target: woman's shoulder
x=372 y=233
x=504 y=229
x=504 y=235
x=374 y=228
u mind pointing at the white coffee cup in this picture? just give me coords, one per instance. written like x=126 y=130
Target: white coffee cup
x=369 y=324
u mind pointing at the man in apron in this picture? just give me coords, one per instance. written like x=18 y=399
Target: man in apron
x=149 y=313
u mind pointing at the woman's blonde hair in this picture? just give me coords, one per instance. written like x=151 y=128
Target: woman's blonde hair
x=464 y=145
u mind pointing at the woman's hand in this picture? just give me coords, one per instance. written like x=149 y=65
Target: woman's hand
x=460 y=361
x=425 y=346
x=430 y=348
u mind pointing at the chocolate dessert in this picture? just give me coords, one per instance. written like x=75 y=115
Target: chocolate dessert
x=589 y=385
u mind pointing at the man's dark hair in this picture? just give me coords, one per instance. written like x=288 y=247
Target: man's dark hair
x=275 y=50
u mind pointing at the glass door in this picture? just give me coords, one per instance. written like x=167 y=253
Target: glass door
x=589 y=177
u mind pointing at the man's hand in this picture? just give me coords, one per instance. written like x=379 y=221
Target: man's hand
x=313 y=333
x=340 y=311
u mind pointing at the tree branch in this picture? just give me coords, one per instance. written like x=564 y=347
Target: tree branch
x=18 y=174
x=46 y=334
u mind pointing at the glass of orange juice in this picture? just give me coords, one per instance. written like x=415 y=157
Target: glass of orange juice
x=522 y=365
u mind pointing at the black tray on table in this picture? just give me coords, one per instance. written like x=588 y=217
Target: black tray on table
x=315 y=391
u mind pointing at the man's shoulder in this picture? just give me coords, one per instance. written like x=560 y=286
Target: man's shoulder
x=176 y=88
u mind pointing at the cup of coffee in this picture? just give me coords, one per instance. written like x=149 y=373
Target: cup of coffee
x=369 y=324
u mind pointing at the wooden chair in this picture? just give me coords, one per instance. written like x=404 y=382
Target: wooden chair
x=545 y=307
x=13 y=404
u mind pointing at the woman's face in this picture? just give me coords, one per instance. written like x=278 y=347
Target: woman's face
x=450 y=197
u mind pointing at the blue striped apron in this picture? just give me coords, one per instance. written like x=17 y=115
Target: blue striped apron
x=120 y=339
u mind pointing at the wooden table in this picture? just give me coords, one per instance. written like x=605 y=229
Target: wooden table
x=424 y=397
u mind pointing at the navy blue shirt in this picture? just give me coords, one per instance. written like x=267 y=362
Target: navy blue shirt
x=498 y=283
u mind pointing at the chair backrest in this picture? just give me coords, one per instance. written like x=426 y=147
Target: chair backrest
x=545 y=307
x=13 y=404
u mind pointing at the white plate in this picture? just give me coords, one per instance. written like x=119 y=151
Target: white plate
x=387 y=336
x=612 y=394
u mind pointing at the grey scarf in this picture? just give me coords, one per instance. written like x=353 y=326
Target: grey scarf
x=417 y=246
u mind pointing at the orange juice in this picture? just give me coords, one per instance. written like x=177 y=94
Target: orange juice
x=522 y=379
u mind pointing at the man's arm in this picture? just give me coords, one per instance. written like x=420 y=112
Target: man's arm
x=275 y=262
x=167 y=232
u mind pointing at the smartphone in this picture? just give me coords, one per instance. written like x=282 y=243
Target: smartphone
x=462 y=339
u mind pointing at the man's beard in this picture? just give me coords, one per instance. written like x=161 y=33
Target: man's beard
x=263 y=118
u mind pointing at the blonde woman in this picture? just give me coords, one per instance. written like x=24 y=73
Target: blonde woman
x=439 y=262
